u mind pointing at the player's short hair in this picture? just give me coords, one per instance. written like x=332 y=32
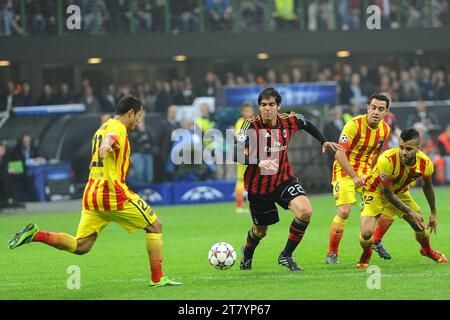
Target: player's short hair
x=381 y=97
x=128 y=103
x=268 y=93
x=246 y=104
x=410 y=134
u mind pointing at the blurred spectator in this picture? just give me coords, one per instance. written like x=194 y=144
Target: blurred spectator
x=42 y=15
x=158 y=7
x=357 y=96
x=428 y=144
x=366 y=82
x=387 y=87
x=96 y=16
x=442 y=89
x=47 y=97
x=394 y=137
x=285 y=78
x=285 y=15
x=355 y=110
x=411 y=15
x=204 y=122
x=427 y=88
x=252 y=15
x=210 y=85
x=90 y=101
x=408 y=89
x=344 y=89
x=145 y=97
x=169 y=125
x=176 y=94
x=219 y=14
x=332 y=131
x=187 y=92
x=144 y=147
x=9 y=99
x=65 y=96
x=10 y=17
x=109 y=98
x=163 y=96
x=25 y=153
x=296 y=75
x=185 y=16
x=271 y=77
x=144 y=15
x=350 y=14
x=444 y=150
x=24 y=98
x=422 y=115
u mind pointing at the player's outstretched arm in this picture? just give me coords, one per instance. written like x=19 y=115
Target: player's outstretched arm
x=341 y=157
x=428 y=190
x=413 y=216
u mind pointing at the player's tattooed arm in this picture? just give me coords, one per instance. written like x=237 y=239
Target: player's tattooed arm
x=412 y=216
x=106 y=146
x=428 y=190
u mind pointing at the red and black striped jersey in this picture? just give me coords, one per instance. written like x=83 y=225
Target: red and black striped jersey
x=257 y=141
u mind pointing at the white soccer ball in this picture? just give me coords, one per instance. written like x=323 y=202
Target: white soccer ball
x=222 y=256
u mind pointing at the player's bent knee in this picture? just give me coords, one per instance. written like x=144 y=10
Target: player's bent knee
x=366 y=234
x=155 y=227
x=260 y=232
x=344 y=211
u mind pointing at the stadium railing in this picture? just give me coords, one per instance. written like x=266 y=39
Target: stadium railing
x=107 y=17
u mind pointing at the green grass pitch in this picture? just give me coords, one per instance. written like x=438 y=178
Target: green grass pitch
x=117 y=267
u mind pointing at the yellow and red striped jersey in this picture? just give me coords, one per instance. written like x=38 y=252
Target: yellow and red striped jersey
x=106 y=189
x=390 y=171
x=361 y=143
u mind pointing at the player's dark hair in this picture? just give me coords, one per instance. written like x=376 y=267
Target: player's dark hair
x=128 y=103
x=410 y=134
x=268 y=93
x=380 y=97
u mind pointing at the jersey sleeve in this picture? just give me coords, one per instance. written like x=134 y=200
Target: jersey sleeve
x=245 y=145
x=429 y=169
x=385 y=169
x=117 y=134
x=348 y=134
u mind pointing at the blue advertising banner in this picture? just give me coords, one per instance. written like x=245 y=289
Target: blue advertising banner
x=295 y=94
x=155 y=194
x=203 y=192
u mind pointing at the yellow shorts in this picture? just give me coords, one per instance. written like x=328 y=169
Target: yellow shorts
x=240 y=170
x=136 y=214
x=344 y=191
x=375 y=204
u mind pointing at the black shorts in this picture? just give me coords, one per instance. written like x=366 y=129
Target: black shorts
x=263 y=209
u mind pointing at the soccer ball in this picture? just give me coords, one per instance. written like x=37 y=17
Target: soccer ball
x=222 y=256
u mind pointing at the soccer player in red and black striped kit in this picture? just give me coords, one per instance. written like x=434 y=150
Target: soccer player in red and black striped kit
x=262 y=144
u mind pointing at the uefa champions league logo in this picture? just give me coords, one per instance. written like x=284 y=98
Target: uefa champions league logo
x=203 y=192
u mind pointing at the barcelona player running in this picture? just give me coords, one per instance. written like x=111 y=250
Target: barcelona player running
x=107 y=198
x=387 y=192
x=262 y=144
x=246 y=112
x=362 y=140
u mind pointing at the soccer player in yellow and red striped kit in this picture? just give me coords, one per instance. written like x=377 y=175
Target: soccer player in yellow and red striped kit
x=107 y=198
x=362 y=139
x=386 y=192
x=246 y=112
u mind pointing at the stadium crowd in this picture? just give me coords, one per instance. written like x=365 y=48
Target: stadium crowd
x=40 y=17
x=355 y=84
